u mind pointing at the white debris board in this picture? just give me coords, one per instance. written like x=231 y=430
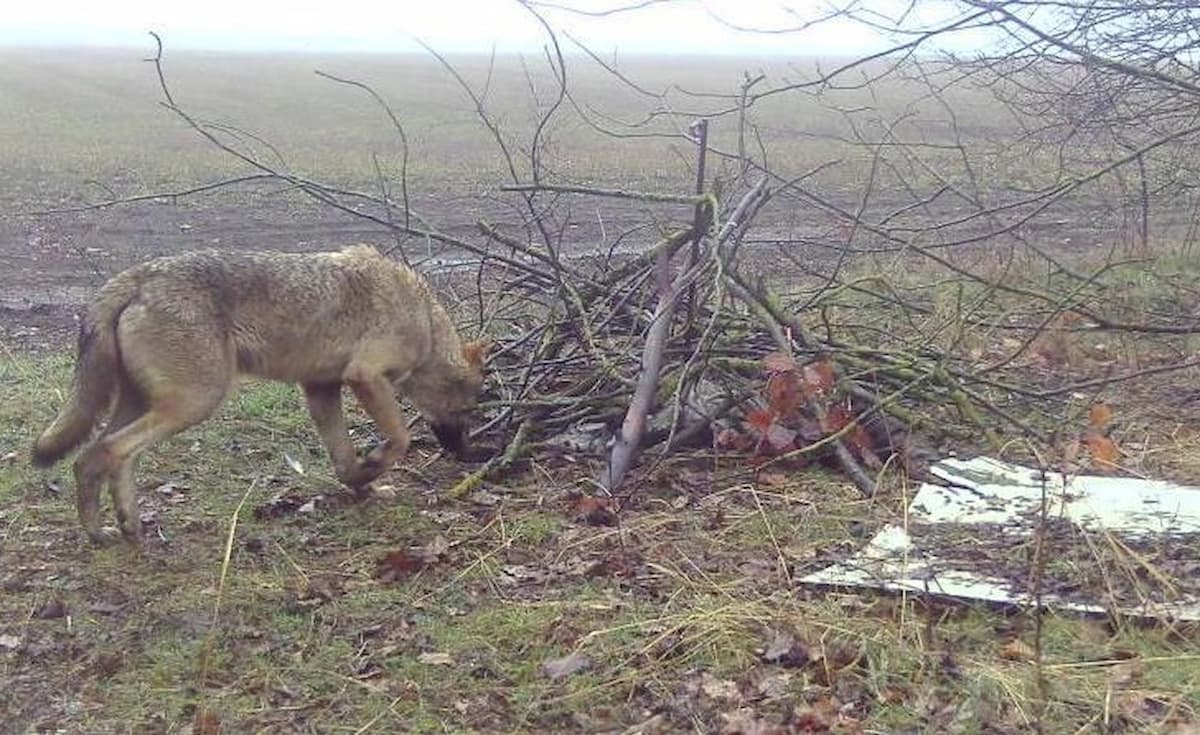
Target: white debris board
x=1111 y=543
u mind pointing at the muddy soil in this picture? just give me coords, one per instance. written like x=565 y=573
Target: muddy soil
x=50 y=264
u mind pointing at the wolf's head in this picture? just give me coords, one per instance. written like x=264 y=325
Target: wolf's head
x=446 y=396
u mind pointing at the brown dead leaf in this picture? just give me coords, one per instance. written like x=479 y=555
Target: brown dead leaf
x=780 y=439
x=1125 y=673
x=1017 y=650
x=1099 y=416
x=745 y=721
x=51 y=610
x=1054 y=349
x=206 y=722
x=399 y=564
x=731 y=439
x=809 y=720
x=403 y=562
x=595 y=511
x=718 y=690
x=783 y=394
x=772 y=479
x=837 y=656
x=818 y=378
x=436 y=658
x=760 y=419
x=786 y=651
x=893 y=694
x=319 y=589
x=779 y=362
x=561 y=668
x=107 y=663
x=1104 y=450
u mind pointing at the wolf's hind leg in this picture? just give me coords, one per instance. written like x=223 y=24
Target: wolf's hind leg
x=130 y=405
x=176 y=374
x=91 y=472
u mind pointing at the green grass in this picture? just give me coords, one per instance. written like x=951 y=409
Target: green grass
x=672 y=609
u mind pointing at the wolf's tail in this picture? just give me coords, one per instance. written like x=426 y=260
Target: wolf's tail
x=97 y=369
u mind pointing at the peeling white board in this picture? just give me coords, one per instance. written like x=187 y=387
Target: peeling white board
x=1111 y=543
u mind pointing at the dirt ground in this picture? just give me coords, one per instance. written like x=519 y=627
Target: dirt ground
x=53 y=263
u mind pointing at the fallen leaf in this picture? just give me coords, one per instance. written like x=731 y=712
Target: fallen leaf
x=1017 y=650
x=206 y=722
x=560 y=668
x=107 y=663
x=729 y=438
x=744 y=721
x=773 y=479
x=51 y=610
x=718 y=690
x=594 y=511
x=836 y=418
x=293 y=463
x=1103 y=449
x=279 y=505
x=780 y=438
x=783 y=394
x=319 y=589
x=809 y=720
x=819 y=377
x=760 y=419
x=1125 y=673
x=1099 y=416
x=170 y=488
x=105 y=608
x=10 y=642
x=399 y=564
x=436 y=658
x=384 y=492
x=785 y=651
x=779 y=362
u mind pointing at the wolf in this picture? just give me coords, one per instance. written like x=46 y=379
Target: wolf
x=163 y=343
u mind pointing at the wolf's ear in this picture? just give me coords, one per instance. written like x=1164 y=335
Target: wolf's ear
x=474 y=352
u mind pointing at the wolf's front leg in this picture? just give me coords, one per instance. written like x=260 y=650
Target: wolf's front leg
x=378 y=398
x=325 y=406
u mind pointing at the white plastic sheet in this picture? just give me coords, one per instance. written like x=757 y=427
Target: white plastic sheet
x=1001 y=500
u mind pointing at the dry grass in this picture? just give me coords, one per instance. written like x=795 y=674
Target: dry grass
x=686 y=611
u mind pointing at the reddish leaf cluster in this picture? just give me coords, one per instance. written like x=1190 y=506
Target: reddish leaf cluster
x=1103 y=449
x=404 y=562
x=799 y=407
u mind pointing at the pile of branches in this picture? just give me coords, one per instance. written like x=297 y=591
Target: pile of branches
x=675 y=346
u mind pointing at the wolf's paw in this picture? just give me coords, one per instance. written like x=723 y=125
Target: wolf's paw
x=105 y=536
x=363 y=474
